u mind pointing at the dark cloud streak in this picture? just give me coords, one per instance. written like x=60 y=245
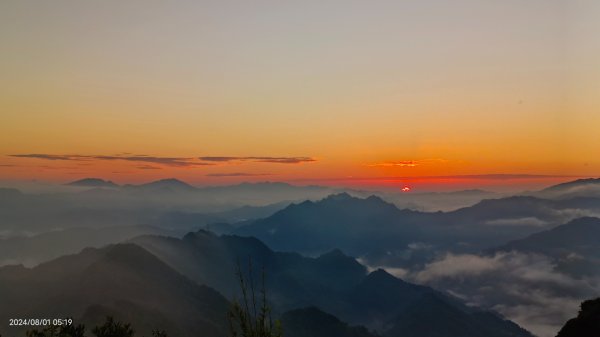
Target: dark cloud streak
x=147 y=167
x=238 y=174
x=166 y=161
x=258 y=159
x=48 y=156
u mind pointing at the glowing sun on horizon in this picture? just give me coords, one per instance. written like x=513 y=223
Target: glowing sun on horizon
x=405 y=189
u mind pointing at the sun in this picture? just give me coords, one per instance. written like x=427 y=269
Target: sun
x=405 y=189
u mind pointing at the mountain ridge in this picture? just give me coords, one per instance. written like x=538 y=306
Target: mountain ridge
x=333 y=282
x=93 y=182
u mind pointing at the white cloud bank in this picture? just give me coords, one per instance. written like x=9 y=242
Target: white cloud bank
x=525 y=288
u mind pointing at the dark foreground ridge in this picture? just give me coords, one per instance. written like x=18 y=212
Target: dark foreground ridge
x=587 y=322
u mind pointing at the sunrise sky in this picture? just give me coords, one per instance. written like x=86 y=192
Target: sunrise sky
x=338 y=92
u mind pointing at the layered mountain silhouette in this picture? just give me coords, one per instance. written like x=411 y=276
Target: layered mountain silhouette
x=160 y=289
x=128 y=282
x=587 y=322
x=574 y=246
x=330 y=287
x=333 y=282
x=212 y=260
x=383 y=234
x=122 y=280
x=575 y=183
x=579 y=236
x=93 y=202
x=166 y=202
x=340 y=220
x=31 y=250
x=589 y=187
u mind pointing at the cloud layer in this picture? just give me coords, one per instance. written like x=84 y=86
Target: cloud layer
x=525 y=288
x=166 y=161
x=275 y=160
x=402 y=163
x=408 y=163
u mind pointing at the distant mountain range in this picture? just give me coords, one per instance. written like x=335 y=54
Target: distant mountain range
x=579 y=236
x=157 y=205
x=93 y=182
x=172 y=185
x=575 y=183
x=369 y=227
x=176 y=185
x=32 y=250
x=279 y=191
x=94 y=202
x=383 y=234
x=577 y=188
x=574 y=246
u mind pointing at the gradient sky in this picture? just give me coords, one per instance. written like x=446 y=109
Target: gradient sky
x=330 y=91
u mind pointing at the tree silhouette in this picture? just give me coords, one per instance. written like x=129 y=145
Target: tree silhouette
x=250 y=318
x=159 y=333
x=112 y=328
x=58 y=331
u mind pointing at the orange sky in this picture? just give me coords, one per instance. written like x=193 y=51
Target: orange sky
x=363 y=91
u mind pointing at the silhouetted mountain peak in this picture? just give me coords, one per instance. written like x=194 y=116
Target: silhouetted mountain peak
x=342 y=264
x=380 y=276
x=383 y=282
x=169 y=183
x=305 y=202
x=516 y=204
x=122 y=280
x=581 y=228
x=202 y=233
x=579 y=236
x=9 y=192
x=339 y=197
x=93 y=182
x=374 y=198
x=344 y=199
x=128 y=253
x=333 y=254
x=574 y=183
x=586 y=222
x=201 y=237
x=247 y=246
x=319 y=226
